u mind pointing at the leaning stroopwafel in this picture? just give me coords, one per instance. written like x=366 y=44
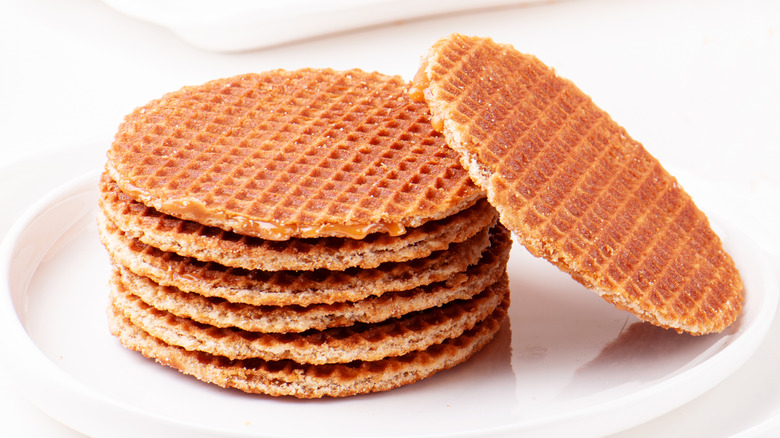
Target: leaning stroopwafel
x=575 y=188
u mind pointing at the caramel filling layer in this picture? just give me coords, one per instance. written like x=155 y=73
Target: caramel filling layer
x=418 y=90
x=195 y=210
x=199 y=212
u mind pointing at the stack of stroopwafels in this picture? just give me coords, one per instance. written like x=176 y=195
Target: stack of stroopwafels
x=300 y=233
x=310 y=233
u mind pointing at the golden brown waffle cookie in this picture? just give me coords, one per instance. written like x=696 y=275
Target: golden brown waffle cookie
x=575 y=188
x=191 y=239
x=282 y=288
x=282 y=319
x=282 y=154
x=365 y=342
x=287 y=378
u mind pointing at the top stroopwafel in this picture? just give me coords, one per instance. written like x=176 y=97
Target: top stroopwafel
x=281 y=154
x=575 y=188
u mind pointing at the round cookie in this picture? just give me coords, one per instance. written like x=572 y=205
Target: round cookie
x=575 y=188
x=284 y=154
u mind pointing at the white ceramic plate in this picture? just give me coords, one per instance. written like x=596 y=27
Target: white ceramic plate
x=566 y=361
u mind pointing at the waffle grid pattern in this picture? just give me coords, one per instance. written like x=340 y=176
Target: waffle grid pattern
x=578 y=190
x=344 y=148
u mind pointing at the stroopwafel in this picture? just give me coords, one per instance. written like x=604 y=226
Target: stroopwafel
x=576 y=188
x=300 y=233
x=282 y=154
